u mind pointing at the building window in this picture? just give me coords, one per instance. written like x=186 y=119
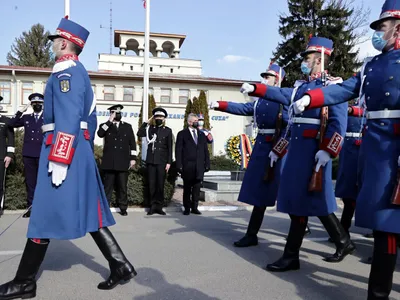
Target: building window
x=172 y=70
x=165 y=95
x=183 y=96
x=151 y=69
x=128 y=93
x=27 y=89
x=131 y=68
x=5 y=92
x=108 y=93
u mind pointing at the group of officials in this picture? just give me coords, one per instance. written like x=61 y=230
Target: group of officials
x=300 y=130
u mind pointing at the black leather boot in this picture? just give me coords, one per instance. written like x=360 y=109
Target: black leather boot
x=382 y=267
x=23 y=286
x=121 y=269
x=251 y=239
x=341 y=238
x=290 y=259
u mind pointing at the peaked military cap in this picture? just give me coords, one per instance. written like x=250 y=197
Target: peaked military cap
x=315 y=44
x=71 y=31
x=274 y=70
x=117 y=108
x=390 y=9
x=36 y=97
x=159 y=111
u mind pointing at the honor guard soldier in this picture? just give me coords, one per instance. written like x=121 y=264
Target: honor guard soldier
x=69 y=199
x=159 y=157
x=377 y=86
x=271 y=119
x=7 y=149
x=33 y=138
x=346 y=186
x=207 y=132
x=119 y=156
x=315 y=137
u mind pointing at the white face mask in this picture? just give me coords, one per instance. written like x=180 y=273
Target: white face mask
x=201 y=123
x=264 y=81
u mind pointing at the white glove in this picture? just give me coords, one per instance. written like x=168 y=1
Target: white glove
x=322 y=158
x=300 y=105
x=274 y=158
x=25 y=108
x=246 y=88
x=214 y=104
x=59 y=172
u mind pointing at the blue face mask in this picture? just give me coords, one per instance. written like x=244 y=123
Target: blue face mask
x=377 y=40
x=305 y=69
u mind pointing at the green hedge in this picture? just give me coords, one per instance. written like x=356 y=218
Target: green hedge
x=15 y=196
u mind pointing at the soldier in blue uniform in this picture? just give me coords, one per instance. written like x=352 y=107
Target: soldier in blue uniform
x=377 y=85
x=33 y=139
x=346 y=183
x=306 y=154
x=70 y=201
x=255 y=190
x=207 y=132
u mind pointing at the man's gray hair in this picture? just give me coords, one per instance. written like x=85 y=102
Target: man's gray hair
x=191 y=116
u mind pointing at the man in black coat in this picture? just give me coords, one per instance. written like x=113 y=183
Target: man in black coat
x=7 y=150
x=158 y=158
x=119 y=156
x=192 y=160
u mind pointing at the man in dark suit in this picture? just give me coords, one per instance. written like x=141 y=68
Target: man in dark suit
x=7 y=150
x=192 y=160
x=159 y=156
x=33 y=138
x=119 y=156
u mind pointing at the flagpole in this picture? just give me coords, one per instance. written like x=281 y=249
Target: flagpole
x=67 y=8
x=146 y=73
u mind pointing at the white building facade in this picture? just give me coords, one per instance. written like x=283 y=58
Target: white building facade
x=119 y=79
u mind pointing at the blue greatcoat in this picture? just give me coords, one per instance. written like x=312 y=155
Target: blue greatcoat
x=293 y=195
x=254 y=190
x=79 y=205
x=346 y=182
x=380 y=147
x=33 y=136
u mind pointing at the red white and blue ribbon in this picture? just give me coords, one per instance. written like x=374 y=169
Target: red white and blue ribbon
x=245 y=148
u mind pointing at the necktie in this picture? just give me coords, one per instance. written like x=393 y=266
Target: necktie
x=195 y=136
x=36 y=117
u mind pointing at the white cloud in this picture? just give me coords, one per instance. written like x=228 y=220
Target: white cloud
x=231 y=59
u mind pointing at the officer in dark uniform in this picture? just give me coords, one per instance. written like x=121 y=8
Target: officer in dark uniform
x=159 y=156
x=33 y=138
x=7 y=149
x=119 y=156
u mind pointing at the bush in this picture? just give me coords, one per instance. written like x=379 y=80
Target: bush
x=15 y=196
x=222 y=163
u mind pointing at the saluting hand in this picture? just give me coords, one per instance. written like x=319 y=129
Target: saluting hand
x=25 y=108
x=112 y=117
x=7 y=161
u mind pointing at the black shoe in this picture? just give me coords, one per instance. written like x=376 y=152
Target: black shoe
x=186 y=212
x=195 y=211
x=24 y=284
x=284 y=264
x=27 y=214
x=367 y=260
x=369 y=235
x=123 y=212
x=121 y=269
x=160 y=212
x=247 y=241
x=150 y=212
x=341 y=253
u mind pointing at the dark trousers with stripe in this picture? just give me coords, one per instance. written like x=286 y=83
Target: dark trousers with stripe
x=383 y=265
x=31 y=167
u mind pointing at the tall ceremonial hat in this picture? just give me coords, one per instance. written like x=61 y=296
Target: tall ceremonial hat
x=36 y=97
x=315 y=44
x=72 y=32
x=159 y=111
x=274 y=70
x=117 y=108
x=390 y=9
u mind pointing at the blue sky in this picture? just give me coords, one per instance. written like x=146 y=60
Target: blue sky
x=233 y=38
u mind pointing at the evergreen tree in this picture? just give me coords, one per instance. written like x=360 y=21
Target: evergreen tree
x=188 y=110
x=204 y=109
x=151 y=106
x=32 y=49
x=337 y=20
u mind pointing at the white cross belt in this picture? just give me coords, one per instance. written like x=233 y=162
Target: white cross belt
x=51 y=126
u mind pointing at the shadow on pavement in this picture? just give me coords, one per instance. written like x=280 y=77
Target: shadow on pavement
x=155 y=280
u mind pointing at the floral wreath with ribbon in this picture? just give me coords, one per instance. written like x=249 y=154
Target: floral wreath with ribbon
x=239 y=147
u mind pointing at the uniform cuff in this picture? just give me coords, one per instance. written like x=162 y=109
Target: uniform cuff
x=259 y=90
x=280 y=147
x=223 y=105
x=317 y=98
x=333 y=145
x=61 y=151
x=10 y=149
x=356 y=111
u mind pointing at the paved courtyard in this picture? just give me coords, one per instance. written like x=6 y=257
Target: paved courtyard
x=192 y=258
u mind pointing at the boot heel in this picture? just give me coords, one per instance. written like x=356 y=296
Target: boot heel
x=29 y=295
